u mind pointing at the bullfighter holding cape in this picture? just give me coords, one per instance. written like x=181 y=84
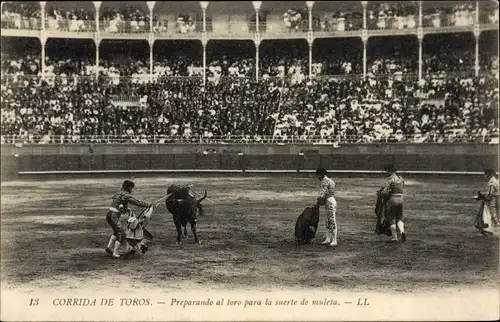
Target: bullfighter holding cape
x=487 y=217
x=391 y=214
x=119 y=206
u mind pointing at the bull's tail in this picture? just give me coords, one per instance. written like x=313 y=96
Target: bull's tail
x=199 y=206
x=202 y=198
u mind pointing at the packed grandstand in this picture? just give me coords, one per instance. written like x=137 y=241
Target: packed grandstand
x=448 y=93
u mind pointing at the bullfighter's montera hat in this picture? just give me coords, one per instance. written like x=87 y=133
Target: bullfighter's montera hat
x=390 y=167
x=127 y=184
x=490 y=172
x=321 y=172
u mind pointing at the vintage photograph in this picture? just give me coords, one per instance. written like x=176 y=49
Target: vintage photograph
x=249 y=160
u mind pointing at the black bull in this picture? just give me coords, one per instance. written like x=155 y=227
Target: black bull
x=184 y=207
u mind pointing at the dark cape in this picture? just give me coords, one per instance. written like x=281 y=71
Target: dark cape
x=484 y=220
x=382 y=226
x=307 y=225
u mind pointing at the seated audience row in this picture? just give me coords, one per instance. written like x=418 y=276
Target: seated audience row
x=345 y=62
x=325 y=110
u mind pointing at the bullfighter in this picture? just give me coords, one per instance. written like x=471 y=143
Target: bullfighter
x=119 y=206
x=488 y=211
x=326 y=197
x=393 y=193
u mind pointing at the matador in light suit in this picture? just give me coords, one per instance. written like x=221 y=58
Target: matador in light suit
x=326 y=197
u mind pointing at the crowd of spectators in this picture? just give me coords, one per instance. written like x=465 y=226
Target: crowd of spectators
x=391 y=56
x=461 y=15
x=135 y=18
x=24 y=15
x=55 y=65
x=377 y=111
x=160 y=25
x=395 y=59
x=28 y=64
x=392 y=15
x=128 y=19
x=283 y=63
x=295 y=20
x=339 y=21
x=284 y=105
x=448 y=61
x=388 y=15
x=326 y=110
x=74 y=20
x=185 y=24
x=489 y=13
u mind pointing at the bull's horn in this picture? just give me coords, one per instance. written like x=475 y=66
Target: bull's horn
x=168 y=196
x=157 y=202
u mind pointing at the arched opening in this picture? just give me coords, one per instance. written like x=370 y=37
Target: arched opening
x=382 y=15
x=392 y=54
x=338 y=56
x=21 y=15
x=234 y=58
x=124 y=17
x=70 y=57
x=448 y=52
x=331 y=16
x=178 y=58
x=488 y=51
x=70 y=16
x=21 y=55
x=284 y=58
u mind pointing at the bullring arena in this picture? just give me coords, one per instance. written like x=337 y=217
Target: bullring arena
x=250 y=127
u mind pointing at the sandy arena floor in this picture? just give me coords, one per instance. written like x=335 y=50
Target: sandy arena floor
x=54 y=234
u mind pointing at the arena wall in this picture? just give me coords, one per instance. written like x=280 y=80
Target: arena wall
x=236 y=157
